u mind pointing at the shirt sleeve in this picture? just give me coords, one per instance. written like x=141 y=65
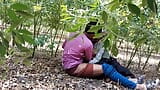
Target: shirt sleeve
x=88 y=53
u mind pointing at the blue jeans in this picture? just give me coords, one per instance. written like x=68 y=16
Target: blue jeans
x=111 y=72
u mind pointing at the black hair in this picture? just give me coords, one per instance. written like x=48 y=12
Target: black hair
x=89 y=25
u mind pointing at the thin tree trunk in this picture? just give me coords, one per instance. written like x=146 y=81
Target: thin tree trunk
x=149 y=55
x=57 y=28
x=34 y=35
x=59 y=43
x=139 y=57
x=132 y=56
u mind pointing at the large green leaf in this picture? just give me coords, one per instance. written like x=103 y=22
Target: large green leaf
x=134 y=9
x=25 y=32
x=29 y=39
x=106 y=43
x=152 y=5
x=19 y=7
x=12 y=15
x=114 y=5
x=19 y=38
x=18 y=22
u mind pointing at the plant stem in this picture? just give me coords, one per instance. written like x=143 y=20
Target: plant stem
x=57 y=28
x=34 y=33
x=139 y=57
x=149 y=55
x=132 y=55
x=59 y=42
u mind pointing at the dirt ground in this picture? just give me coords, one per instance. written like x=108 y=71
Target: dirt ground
x=45 y=73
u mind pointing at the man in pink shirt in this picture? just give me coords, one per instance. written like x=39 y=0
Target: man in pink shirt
x=78 y=52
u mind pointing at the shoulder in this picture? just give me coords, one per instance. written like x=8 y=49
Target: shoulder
x=87 y=41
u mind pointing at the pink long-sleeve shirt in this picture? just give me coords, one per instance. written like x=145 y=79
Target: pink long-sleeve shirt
x=76 y=50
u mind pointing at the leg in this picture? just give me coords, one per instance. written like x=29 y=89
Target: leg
x=115 y=76
x=92 y=70
x=121 y=69
x=89 y=70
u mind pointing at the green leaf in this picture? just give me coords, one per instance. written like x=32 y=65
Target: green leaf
x=74 y=28
x=120 y=0
x=114 y=50
x=66 y=18
x=25 y=14
x=5 y=42
x=19 y=38
x=23 y=49
x=152 y=5
x=12 y=15
x=114 y=5
x=99 y=35
x=94 y=5
x=106 y=43
x=143 y=18
x=28 y=39
x=15 y=24
x=82 y=20
x=127 y=1
x=134 y=9
x=141 y=40
x=95 y=28
x=144 y=3
x=1 y=34
x=19 y=6
x=2 y=50
x=104 y=16
x=24 y=32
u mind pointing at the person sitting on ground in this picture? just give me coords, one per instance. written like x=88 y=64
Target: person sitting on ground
x=78 y=52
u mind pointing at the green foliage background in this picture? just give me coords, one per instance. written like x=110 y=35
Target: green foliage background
x=133 y=21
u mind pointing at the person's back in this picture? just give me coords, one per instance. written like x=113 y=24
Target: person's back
x=75 y=49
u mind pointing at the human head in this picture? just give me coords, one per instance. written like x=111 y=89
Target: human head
x=89 y=34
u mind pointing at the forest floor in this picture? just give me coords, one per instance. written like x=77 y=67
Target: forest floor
x=45 y=73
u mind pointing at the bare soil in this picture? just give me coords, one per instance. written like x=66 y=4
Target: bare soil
x=45 y=73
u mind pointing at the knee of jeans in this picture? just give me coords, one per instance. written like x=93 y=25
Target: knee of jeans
x=107 y=69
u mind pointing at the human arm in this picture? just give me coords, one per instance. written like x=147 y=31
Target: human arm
x=88 y=53
x=98 y=56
